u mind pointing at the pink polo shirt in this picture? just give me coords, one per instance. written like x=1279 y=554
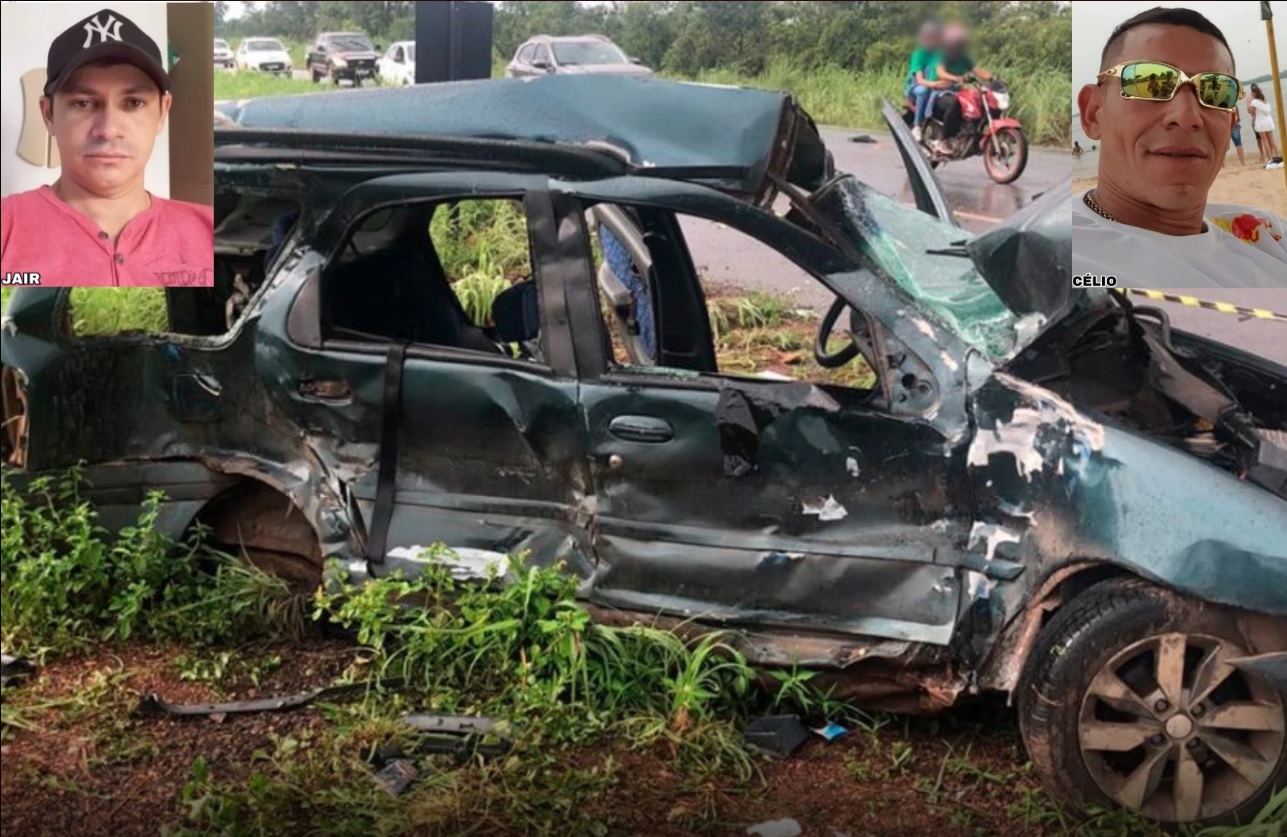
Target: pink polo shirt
x=170 y=244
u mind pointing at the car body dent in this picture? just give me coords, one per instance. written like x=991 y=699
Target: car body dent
x=1073 y=487
x=917 y=532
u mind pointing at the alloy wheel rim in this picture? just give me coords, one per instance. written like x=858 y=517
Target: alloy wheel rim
x=1169 y=728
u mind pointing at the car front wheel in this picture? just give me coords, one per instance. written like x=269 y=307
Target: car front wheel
x=1130 y=699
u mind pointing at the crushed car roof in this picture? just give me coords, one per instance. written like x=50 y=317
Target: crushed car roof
x=731 y=138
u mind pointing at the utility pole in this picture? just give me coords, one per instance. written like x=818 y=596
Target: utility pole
x=1268 y=17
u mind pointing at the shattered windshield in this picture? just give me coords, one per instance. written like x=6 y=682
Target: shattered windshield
x=927 y=259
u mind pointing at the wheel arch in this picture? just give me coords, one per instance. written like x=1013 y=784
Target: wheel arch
x=1004 y=666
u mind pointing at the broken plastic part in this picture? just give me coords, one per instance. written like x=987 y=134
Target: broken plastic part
x=778 y=736
x=464 y=563
x=153 y=705
x=15 y=669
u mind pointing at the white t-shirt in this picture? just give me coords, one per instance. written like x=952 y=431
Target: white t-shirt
x=1262 y=115
x=1242 y=247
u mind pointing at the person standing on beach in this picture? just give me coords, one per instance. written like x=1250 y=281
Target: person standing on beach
x=1148 y=222
x=1236 y=136
x=1262 y=122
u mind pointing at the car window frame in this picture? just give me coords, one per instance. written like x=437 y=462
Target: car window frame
x=539 y=255
x=605 y=371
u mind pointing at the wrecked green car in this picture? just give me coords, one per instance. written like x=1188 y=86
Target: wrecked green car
x=1040 y=491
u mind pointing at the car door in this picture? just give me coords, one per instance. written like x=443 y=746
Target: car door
x=765 y=502
x=472 y=449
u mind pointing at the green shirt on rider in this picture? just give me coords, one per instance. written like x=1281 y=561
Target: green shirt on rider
x=947 y=66
x=923 y=62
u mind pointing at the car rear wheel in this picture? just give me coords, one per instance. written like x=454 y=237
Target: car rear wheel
x=1130 y=700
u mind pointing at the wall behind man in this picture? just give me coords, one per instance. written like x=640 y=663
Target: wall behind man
x=26 y=30
x=191 y=32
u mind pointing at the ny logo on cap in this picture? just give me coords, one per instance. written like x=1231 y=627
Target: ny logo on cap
x=111 y=29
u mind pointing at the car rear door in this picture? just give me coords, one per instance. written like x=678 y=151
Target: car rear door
x=441 y=445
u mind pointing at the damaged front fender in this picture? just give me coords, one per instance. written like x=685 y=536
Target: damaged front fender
x=1070 y=487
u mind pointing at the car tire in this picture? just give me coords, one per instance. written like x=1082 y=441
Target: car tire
x=1135 y=645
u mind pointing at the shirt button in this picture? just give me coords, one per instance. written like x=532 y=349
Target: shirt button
x=120 y=259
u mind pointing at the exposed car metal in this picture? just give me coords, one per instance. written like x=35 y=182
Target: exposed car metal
x=1035 y=467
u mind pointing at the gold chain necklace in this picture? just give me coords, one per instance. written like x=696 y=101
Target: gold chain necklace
x=1096 y=208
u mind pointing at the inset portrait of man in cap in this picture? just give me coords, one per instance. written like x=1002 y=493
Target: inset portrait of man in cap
x=105 y=102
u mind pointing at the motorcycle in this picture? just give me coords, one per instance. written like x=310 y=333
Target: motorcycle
x=985 y=129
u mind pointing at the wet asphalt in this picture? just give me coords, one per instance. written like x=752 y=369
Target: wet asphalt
x=979 y=204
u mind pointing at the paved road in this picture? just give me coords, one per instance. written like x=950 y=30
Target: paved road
x=979 y=203
x=727 y=256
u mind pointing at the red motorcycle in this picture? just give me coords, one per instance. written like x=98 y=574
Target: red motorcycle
x=985 y=129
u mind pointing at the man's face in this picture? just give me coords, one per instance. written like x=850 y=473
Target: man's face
x=106 y=120
x=1165 y=154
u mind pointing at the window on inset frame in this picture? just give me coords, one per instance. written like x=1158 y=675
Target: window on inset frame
x=456 y=274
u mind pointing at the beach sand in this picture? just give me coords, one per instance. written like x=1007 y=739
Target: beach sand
x=1249 y=185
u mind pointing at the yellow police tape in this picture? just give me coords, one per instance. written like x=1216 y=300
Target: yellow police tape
x=1194 y=302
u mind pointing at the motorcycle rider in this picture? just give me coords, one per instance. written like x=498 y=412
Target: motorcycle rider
x=954 y=64
x=919 y=87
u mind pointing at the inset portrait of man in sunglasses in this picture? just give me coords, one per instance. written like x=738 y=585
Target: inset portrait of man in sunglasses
x=1162 y=109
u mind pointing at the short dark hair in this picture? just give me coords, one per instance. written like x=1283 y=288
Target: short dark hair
x=1173 y=17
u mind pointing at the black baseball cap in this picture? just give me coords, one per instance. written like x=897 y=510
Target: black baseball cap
x=103 y=35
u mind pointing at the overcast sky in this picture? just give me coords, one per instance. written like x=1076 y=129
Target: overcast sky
x=1239 y=20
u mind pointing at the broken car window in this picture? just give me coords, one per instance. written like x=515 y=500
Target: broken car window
x=763 y=322
x=249 y=232
x=914 y=249
x=457 y=274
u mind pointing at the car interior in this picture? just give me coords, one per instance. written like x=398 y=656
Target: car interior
x=388 y=284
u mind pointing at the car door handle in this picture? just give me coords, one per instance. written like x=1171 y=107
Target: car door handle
x=641 y=429
x=335 y=390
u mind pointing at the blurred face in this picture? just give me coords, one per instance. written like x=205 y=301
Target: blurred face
x=929 y=39
x=1165 y=154
x=106 y=120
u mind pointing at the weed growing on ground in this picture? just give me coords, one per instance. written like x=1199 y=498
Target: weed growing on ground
x=65 y=583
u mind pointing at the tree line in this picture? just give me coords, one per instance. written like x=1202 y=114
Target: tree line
x=687 y=37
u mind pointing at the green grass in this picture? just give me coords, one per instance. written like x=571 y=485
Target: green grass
x=524 y=652
x=103 y=311
x=832 y=95
x=65 y=583
x=840 y=97
x=247 y=85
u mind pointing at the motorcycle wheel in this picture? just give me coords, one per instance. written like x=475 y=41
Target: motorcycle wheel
x=1005 y=155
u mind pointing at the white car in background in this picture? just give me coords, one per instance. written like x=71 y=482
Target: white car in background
x=398 y=65
x=265 y=55
x=222 y=54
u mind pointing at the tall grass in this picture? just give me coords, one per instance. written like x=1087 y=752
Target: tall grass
x=836 y=96
x=65 y=582
x=249 y=85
